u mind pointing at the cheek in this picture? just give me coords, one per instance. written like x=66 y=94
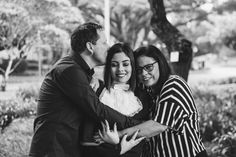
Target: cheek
x=156 y=76
x=130 y=69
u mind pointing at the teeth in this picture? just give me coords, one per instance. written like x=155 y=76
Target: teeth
x=121 y=75
x=146 y=78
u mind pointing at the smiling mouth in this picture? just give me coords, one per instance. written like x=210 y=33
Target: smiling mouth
x=146 y=78
x=121 y=75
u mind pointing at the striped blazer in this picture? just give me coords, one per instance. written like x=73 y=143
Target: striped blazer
x=176 y=109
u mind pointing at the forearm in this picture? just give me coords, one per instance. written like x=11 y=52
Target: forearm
x=146 y=129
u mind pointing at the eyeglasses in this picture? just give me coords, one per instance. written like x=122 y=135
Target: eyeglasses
x=147 y=68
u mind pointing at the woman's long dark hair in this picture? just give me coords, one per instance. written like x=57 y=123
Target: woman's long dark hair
x=118 y=48
x=156 y=54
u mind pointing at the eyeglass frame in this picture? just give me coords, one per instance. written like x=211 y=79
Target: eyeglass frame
x=139 y=70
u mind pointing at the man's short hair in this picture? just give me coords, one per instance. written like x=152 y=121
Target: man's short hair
x=84 y=33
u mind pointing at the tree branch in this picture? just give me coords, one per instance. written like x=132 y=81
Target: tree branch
x=193 y=19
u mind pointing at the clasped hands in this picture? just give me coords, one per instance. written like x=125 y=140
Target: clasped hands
x=112 y=136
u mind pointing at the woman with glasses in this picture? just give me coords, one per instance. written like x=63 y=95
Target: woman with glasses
x=174 y=127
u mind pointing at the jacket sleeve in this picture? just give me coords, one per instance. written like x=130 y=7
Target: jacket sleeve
x=74 y=84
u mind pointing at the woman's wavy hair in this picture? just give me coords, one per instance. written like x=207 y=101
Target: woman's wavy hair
x=118 y=48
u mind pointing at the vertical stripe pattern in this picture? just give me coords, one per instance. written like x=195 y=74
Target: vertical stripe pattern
x=176 y=109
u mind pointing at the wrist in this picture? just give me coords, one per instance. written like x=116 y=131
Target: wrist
x=120 y=134
x=122 y=151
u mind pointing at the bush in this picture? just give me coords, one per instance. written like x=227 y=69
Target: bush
x=24 y=105
x=217 y=109
x=16 y=123
x=225 y=145
x=216 y=105
x=12 y=109
x=28 y=93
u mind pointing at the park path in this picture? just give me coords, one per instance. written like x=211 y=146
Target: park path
x=213 y=73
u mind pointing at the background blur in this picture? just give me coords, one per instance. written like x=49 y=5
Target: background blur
x=35 y=34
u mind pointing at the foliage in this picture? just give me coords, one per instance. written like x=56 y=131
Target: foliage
x=58 y=41
x=24 y=105
x=129 y=23
x=215 y=29
x=225 y=145
x=217 y=108
x=28 y=17
x=15 y=25
x=28 y=93
x=32 y=26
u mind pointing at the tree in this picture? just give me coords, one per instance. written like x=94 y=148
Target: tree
x=129 y=23
x=21 y=24
x=57 y=39
x=14 y=29
x=179 y=48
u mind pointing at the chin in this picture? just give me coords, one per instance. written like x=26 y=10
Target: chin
x=148 y=83
x=122 y=81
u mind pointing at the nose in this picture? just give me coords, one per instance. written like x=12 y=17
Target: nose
x=144 y=72
x=120 y=68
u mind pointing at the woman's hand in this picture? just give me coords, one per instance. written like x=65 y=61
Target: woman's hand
x=127 y=145
x=107 y=135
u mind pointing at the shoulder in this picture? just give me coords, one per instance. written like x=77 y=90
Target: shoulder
x=176 y=86
x=64 y=64
x=68 y=70
x=175 y=81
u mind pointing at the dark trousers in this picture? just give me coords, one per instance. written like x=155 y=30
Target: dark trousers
x=89 y=151
x=104 y=150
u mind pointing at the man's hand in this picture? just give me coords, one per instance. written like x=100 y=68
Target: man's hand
x=127 y=145
x=107 y=135
x=94 y=83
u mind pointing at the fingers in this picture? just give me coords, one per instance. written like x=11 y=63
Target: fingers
x=103 y=127
x=115 y=127
x=98 y=139
x=100 y=134
x=135 y=135
x=124 y=138
x=137 y=141
x=107 y=125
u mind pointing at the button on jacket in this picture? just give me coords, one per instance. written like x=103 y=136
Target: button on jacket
x=65 y=100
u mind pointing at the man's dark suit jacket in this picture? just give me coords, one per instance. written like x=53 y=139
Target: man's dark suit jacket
x=65 y=100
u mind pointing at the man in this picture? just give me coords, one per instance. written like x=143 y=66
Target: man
x=66 y=98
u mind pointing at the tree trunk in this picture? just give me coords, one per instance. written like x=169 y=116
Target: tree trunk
x=173 y=39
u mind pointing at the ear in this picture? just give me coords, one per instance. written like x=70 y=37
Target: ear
x=90 y=48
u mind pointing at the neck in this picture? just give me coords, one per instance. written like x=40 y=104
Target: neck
x=88 y=60
x=154 y=90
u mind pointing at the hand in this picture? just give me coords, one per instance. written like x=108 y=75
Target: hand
x=107 y=135
x=94 y=83
x=127 y=145
x=97 y=138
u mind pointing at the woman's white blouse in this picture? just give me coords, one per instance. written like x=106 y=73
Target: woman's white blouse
x=121 y=99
